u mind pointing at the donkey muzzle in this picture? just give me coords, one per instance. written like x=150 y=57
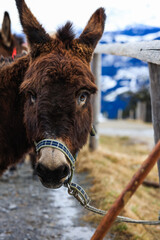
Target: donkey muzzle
x=52 y=167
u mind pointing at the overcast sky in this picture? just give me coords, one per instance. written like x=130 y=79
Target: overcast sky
x=54 y=13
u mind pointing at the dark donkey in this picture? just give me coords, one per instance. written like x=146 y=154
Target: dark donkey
x=10 y=44
x=46 y=94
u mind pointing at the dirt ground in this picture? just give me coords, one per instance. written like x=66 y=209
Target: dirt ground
x=25 y=208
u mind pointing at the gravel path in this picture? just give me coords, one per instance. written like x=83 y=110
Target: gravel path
x=136 y=130
x=28 y=211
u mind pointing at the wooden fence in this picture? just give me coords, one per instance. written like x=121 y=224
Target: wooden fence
x=146 y=51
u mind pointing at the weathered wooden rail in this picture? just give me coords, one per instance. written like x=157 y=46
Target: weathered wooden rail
x=148 y=52
x=145 y=51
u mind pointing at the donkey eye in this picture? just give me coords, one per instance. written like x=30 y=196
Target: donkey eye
x=32 y=97
x=82 y=98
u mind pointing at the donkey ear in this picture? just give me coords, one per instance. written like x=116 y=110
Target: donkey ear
x=38 y=40
x=91 y=34
x=94 y=28
x=6 y=30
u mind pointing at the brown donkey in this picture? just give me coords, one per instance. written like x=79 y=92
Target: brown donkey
x=47 y=93
x=10 y=44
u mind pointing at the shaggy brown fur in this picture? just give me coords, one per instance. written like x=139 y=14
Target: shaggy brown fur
x=55 y=84
x=13 y=143
x=9 y=41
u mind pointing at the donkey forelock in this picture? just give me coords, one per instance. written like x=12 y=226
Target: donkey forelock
x=58 y=86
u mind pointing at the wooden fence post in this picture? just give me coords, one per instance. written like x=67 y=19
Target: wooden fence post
x=96 y=69
x=154 y=72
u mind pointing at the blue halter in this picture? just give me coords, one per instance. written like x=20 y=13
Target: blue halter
x=56 y=144
x=72 y=187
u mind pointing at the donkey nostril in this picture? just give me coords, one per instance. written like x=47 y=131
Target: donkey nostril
x=52 y=175
x=64 y=171
x=40 y=170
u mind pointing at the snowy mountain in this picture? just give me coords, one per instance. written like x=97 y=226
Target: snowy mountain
x=123 y=74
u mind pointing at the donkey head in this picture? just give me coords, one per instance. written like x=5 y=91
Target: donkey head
x=9 y=43
x=57 y=87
